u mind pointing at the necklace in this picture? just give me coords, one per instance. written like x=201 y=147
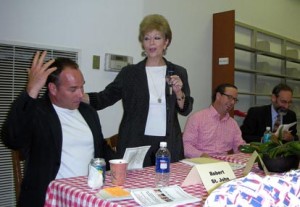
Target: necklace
x=156 y=86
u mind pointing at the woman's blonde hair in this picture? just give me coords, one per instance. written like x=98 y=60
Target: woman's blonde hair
x=155 y=22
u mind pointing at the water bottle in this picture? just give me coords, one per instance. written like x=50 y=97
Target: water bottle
x=267 y=135
x=162 y=165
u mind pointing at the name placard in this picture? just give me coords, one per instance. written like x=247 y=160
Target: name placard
x=211 y=175
x=251 y=162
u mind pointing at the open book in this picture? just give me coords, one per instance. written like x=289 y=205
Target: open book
x=285 y=127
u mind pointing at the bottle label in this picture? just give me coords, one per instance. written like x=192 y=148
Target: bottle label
x=266 y=138
x=163 y=165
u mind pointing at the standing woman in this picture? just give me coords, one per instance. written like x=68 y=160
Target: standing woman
x=153 y=91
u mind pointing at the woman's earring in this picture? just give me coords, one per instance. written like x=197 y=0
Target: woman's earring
x=165 y=51
x=144 y=54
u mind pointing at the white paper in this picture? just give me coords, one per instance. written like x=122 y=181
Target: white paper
x=251 y=162
x=211 y=175
x=286 y=127
x=162 y=197
x=135 y=157
x=205 y=160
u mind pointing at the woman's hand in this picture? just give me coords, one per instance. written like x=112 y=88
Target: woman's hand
x=176 y=83
x=86 y=98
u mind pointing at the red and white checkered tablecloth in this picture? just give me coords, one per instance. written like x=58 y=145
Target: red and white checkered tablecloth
x=74 y=192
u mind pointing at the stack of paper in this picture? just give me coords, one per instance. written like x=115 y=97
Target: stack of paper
x=114 y=193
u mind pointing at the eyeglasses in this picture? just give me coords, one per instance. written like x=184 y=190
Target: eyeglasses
x=230 y=97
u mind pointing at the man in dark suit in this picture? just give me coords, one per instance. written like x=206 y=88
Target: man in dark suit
x=258 y=118
x=58 y=132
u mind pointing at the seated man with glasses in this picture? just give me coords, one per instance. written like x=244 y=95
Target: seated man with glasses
x=212 y=131
x=272 y=115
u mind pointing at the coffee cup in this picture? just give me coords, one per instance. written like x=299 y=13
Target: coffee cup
x=118 y=171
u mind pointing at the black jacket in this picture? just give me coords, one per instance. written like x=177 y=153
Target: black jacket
x=131 y=87
x=258 y=118
x=34 y=127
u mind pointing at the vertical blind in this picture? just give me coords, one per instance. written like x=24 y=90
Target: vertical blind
x=14 y=62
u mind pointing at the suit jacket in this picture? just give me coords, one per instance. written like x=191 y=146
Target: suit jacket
x=258 y=118
x=131 y=86
x=34 y=126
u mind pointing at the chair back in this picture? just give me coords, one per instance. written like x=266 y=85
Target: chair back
x=18 y=163
x=112 y=141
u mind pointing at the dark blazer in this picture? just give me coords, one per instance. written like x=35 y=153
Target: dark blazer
x=34 y=126
x=131 y=87
x=258 y=118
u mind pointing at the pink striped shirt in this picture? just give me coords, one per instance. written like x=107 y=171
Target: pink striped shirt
x=204 y=132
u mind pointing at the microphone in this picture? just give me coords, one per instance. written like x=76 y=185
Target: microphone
x=169 y=74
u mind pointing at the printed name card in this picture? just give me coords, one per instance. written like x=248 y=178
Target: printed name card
x=211 y=175
x=251 y=162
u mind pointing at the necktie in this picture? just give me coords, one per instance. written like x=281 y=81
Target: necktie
x=277 y=123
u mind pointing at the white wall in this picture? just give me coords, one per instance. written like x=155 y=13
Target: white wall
x=97 y=27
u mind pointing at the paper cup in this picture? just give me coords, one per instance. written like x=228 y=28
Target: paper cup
x=118 y=170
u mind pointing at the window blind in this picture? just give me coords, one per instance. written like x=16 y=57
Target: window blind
x=14 y=62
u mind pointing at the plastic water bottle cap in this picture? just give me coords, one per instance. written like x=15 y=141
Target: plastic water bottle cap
x=163 y=144
x=268 y=128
